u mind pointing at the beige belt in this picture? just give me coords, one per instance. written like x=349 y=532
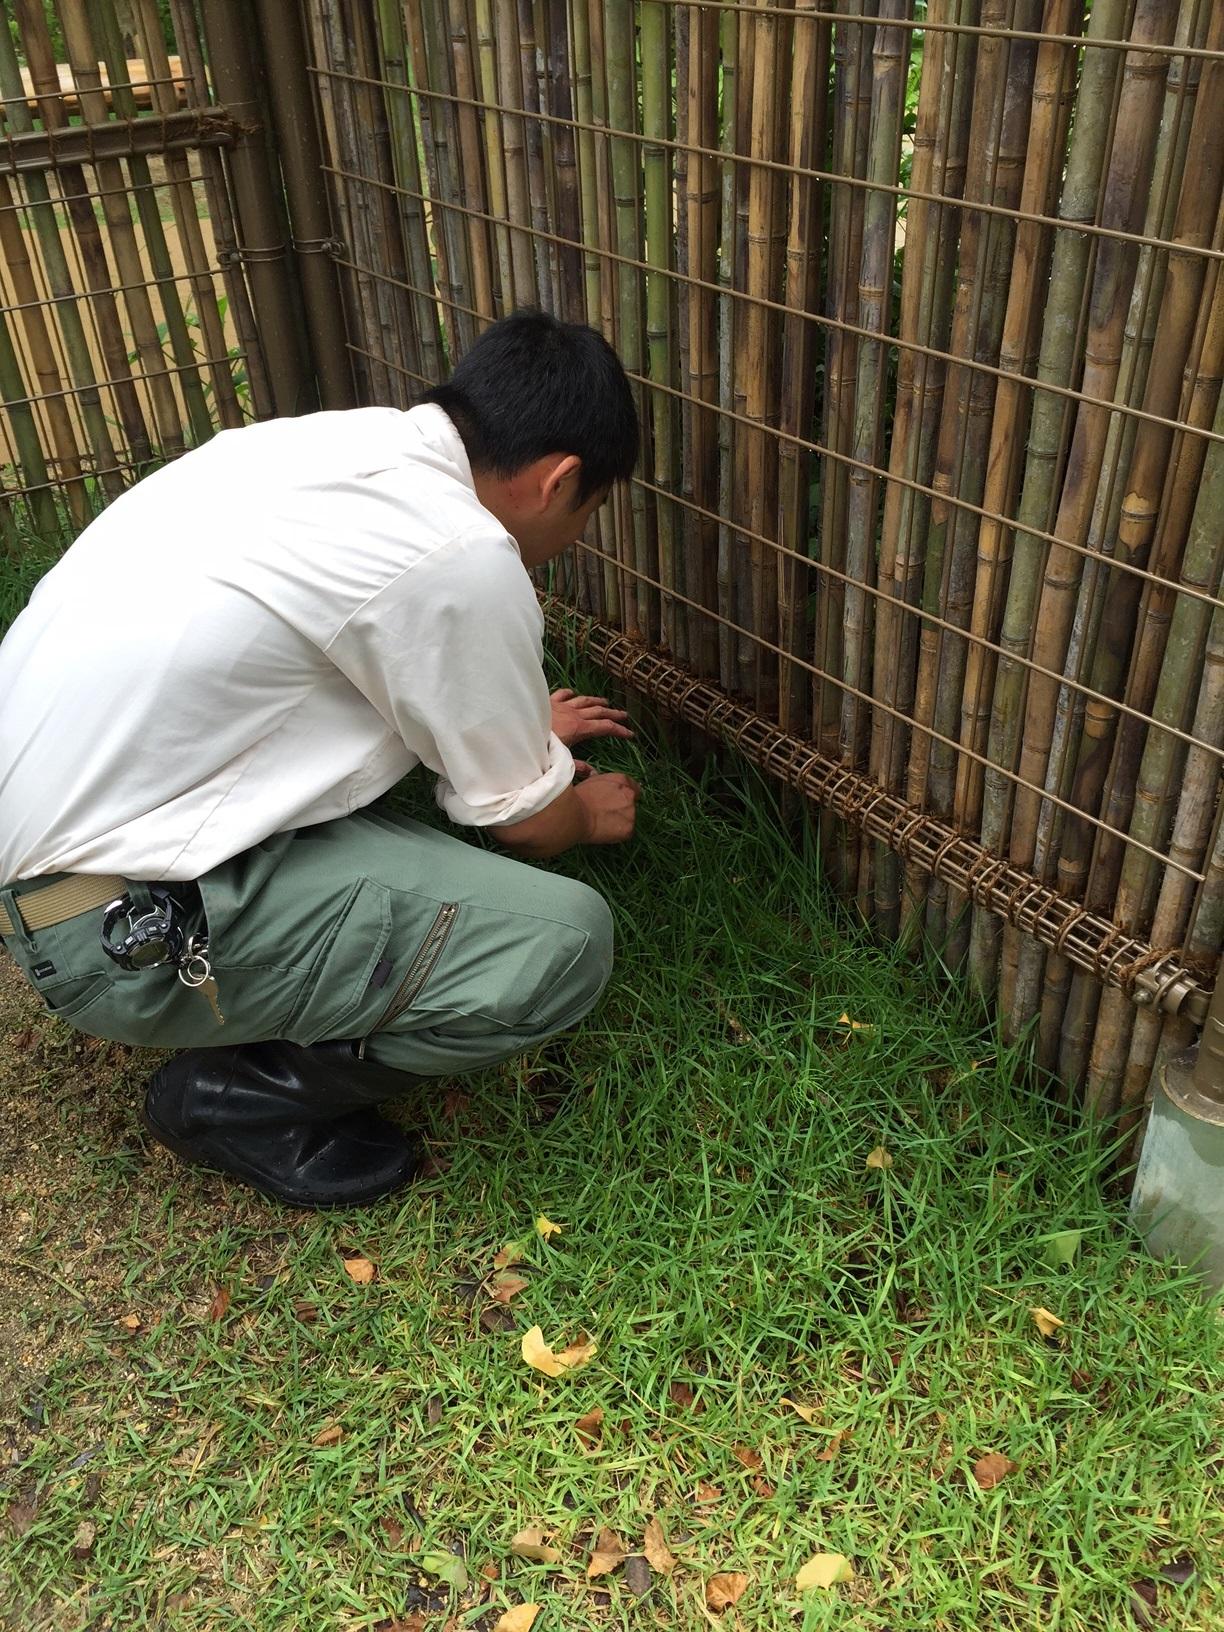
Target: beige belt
x=66 y=898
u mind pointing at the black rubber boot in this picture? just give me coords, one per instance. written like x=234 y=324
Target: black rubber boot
x=295 y=1123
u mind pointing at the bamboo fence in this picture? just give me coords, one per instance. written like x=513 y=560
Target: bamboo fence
x=922 y=306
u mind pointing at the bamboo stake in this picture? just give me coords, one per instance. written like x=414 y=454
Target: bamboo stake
x=451 y=239
x=588 y=179
x=809 y=86
x=510 y=94
x=656 y=124
x=470 y=155
x=612 y=538
x=108 y=47
x=619 y=62
x=533 y=136
x=889 y=57
x=701 y=201
x=59 y=281
x=74 y=191
x=36 y=478
x=729 y=46
x=565 y=164
x=940 y=142
x=220 y=213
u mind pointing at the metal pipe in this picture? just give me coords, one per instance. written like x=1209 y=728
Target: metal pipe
x=301 y=159
x=1178 y=1200
x=238 y=82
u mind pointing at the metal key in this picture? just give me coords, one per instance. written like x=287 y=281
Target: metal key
x=195 y=971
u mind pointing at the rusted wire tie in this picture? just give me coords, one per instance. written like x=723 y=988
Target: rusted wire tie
x=1151 y=977
x=319 y=246
x=256 y=252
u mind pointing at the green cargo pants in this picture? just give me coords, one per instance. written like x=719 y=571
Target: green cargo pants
x=438 y=956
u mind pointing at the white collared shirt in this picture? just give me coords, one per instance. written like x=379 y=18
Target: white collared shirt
x=268 y=633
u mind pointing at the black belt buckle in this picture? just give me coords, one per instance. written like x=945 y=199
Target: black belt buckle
x=153 y=936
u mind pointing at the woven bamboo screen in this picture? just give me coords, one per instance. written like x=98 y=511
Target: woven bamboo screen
x=924 y=308
x=126 y=329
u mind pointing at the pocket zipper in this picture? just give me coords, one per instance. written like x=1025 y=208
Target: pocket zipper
x=419 y=970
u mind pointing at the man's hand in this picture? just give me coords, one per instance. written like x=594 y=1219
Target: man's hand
x=609 y=800
x=579 y=719
x=600 y=809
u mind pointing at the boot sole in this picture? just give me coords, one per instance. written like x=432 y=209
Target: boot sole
x=188 y=1154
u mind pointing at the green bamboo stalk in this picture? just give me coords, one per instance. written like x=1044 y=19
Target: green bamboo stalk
x=59 y=280
x=74 y=191
x=620 y=57
x=809 y=87
x=940 y=145
x=449 y=226
x=611 y=535
x=464 y=78
x=108 y=46
x=660 y=215
x=588 y=180
x=544 y=251
x=890 y=55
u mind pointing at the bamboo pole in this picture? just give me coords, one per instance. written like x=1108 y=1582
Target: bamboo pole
x=940 y=144
x=729 y=48
x=473 y=192
x=565 y=164
x=612 y=538
x=74 y=192
x=659 y=218
x=36 y=478
x=809 y=86
x=107 y=47
x=450 y=234
x=544 y=252
x=889 y=57
x=621 y=90
x=60 y=282
x=510 y=94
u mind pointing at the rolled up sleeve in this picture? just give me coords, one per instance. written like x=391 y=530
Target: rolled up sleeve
x=451 y=655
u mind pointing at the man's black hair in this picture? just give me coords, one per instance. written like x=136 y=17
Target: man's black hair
x=532 y=386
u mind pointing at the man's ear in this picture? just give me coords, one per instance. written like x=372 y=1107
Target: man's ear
x=561 y=479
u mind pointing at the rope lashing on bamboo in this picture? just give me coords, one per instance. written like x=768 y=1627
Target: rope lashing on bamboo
x=1151 y=977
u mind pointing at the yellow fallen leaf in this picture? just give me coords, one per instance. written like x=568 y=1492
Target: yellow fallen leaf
x=809 y=1413
x=658 y=1554
x=530 y=1544
x=506 y=1286
x=724 y=1590
x=1047 y=1324
x=519 y=1619
x=545 y=1228
x=855 y=1025
x=824 y=1570
x=511 y=1253
x=538 y=1353
x=331 y=1435
x=360 y=1270
x=607 y=1555
x=132 y=1322
x=879 y=1158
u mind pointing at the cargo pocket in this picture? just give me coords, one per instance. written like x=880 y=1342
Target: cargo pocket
x=70 y=997
x=336 y=994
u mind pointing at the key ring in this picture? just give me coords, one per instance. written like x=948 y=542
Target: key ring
x=194 y=967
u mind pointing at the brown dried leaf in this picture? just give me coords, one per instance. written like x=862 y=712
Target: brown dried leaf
x=511 y=1253
x=306 y=1312
x=331 y=1435
x=809 y=1413
x=989 y=1469
x=496 y=1318
x=23 y=1039
x=748 y=1458
x=130 y=1323
x=587 y=1428
x=394 y=1531
x=637 y=1575
x=654 y=1545
x=219 y=1304
x=360 y=1270
x=21 y=1516
x=724 y=1590
x=83 y=1540
x=835 y=1444
x=530 y=1544
x=706 y=1493
x=519 y=1619
x=433 y=1411
x=607 y=1555
x=682 y=1395
x=763 y=1488
x=506 y=1286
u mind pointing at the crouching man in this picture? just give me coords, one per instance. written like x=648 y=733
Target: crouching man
x=234 y=661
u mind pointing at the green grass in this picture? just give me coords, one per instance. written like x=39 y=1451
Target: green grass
x=725 y=1244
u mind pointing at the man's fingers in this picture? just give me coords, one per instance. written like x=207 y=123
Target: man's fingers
x=562 y=696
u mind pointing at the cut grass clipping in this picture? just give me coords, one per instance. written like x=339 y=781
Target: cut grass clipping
x=769 y=1298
